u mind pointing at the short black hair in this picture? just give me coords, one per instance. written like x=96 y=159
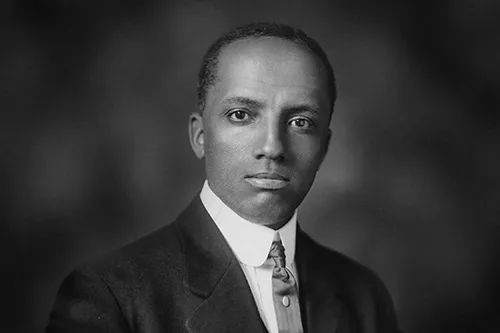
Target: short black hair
x=208 y=71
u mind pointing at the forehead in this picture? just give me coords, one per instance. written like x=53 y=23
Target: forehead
x=269 y=64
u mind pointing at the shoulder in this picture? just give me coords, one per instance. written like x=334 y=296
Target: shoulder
x=150 y=267
x=154 y=254
x=105 y=292
x=157 y=256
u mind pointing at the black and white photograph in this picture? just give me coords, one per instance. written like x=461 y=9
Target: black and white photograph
x=250 y=166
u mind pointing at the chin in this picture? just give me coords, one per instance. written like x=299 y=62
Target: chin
x=268 y=210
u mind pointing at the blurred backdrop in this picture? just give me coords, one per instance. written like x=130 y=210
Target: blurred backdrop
x=95 y=98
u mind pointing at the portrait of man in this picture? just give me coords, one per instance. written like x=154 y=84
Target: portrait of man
x=236 y=259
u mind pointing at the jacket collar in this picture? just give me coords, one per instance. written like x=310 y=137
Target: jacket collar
x=214 y=274
x=321 y=308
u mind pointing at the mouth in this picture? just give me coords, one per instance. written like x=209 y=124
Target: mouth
x=267 y=181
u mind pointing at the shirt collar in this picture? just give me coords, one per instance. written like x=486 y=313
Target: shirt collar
x=249 y=241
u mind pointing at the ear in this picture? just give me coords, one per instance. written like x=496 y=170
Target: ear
x=196 y=135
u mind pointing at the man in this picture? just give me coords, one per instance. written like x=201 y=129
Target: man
x=236 y=260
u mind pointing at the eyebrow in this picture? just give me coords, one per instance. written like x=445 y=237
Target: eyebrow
x=248 y=102
x=304 y=108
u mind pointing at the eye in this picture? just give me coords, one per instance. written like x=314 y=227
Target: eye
x=301 y=123
x=239 y=116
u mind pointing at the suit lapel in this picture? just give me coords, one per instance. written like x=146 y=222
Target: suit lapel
x=214 y=274
x=322 y=311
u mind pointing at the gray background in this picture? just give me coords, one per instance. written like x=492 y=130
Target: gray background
x=95 y=97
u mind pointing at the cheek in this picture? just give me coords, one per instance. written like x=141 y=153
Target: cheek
x=224 y=151
x=307 y=153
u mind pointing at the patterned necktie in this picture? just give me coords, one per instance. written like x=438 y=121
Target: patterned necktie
x=285 y=293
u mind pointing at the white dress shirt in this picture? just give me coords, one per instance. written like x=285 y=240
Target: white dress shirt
x=251 y=243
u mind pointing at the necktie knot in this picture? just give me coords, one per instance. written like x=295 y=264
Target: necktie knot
x=277 y=253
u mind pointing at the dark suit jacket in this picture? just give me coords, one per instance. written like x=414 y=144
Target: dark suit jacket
x=185 y=278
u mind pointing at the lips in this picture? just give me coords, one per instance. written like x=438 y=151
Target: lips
x=268 y=175
x=267 y=181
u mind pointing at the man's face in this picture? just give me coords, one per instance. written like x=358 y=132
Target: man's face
x=265 y=127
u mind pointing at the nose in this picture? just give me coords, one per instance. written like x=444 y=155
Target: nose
x=270 y=144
